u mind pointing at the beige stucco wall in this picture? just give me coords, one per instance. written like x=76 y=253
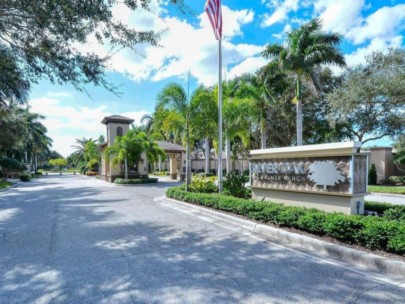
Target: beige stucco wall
x=382 y=158
x=328 y=203
x=112 y=131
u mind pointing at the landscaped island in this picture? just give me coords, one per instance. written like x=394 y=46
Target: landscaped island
x=378 y=233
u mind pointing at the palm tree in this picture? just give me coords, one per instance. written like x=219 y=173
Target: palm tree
x=129 y=148
x=238 y=119
x=205 y=114
x=306 y=49
x=175 y=99
x=151 y=149
x=37 y=140
x=122 y=150
x=80 y=147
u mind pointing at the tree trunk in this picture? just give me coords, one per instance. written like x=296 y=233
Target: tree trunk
x=207 y=155
x=126 y=168
x=299 y=113
x=36 y=163
x=228 y=155
x=263 y=135
x=299 y=122
x=188 y=157
x=160 y=163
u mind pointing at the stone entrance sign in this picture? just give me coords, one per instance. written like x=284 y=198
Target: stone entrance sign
x=328 y=172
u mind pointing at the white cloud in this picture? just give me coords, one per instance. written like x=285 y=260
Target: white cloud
x=185 y=47
x=287 y=28
x=61 y=120
x=339 y=16
x=376 y=44
x=385 y=23
x=249 y=65
x=282 y=8
x=58 y=94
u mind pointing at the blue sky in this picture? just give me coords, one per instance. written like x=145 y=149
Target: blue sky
x=188 y=44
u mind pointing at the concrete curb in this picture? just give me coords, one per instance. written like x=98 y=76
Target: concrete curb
x=364 y=260
x=388 y=194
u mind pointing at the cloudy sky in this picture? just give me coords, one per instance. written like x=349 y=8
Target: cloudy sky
x=188 y=44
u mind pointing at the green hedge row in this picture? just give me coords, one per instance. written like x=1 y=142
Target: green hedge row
x=378 y=207
x=367 y=231
x=122 y=181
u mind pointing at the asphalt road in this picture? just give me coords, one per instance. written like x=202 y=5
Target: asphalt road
x=74 y=239
x=386 y=198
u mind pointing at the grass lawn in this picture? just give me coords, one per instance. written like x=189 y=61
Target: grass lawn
x=5 y=184
x=387 y=189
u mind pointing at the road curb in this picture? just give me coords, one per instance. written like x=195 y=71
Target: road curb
x=388 y=194
x=364 y=260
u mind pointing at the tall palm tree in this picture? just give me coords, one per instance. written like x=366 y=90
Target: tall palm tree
x=174 y=98
x=37 y=140
x=306 y=48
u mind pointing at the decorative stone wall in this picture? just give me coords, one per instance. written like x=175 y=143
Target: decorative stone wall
x=311 y=174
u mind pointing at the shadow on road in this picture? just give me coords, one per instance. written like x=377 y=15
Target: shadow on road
x=95 y=245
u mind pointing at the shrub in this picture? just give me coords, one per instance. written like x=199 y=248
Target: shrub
x=397 y=180
x=204 y=174
x=370 y=232
x=203 y=185
x=343 y=227
x=313 y=222
x=386 y=182
x=234 y=184
x=372 y=175
x=122 y=181
x=91 y=173
x=290 y=216
x=397 y=242
x=397 y=213
x=11 y=166
x=25 y=177
x=378 y=207
x=161 y=173
x=377 y=232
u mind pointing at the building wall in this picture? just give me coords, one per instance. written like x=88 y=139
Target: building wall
x=383 y=159
x=199 y=164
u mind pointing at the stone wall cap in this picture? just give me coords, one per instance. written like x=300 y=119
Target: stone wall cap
x=342 y=148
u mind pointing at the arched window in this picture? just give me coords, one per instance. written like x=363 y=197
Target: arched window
x=119 y=131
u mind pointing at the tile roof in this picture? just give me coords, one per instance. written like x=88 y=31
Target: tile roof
x=169 y=147
x=117 y=119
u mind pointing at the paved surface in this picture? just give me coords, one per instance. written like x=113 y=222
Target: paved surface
x=386 y=199
x=74 y=239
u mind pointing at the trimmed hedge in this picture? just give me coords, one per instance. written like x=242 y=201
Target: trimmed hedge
x=367 y=231
x=122 y=181
x=378 y=207
x=25 y=177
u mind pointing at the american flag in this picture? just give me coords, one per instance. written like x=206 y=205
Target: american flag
x=213 y=9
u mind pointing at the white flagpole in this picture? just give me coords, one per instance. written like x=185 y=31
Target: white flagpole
x=220 y=116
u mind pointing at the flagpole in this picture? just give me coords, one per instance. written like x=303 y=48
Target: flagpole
x=220 y=177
